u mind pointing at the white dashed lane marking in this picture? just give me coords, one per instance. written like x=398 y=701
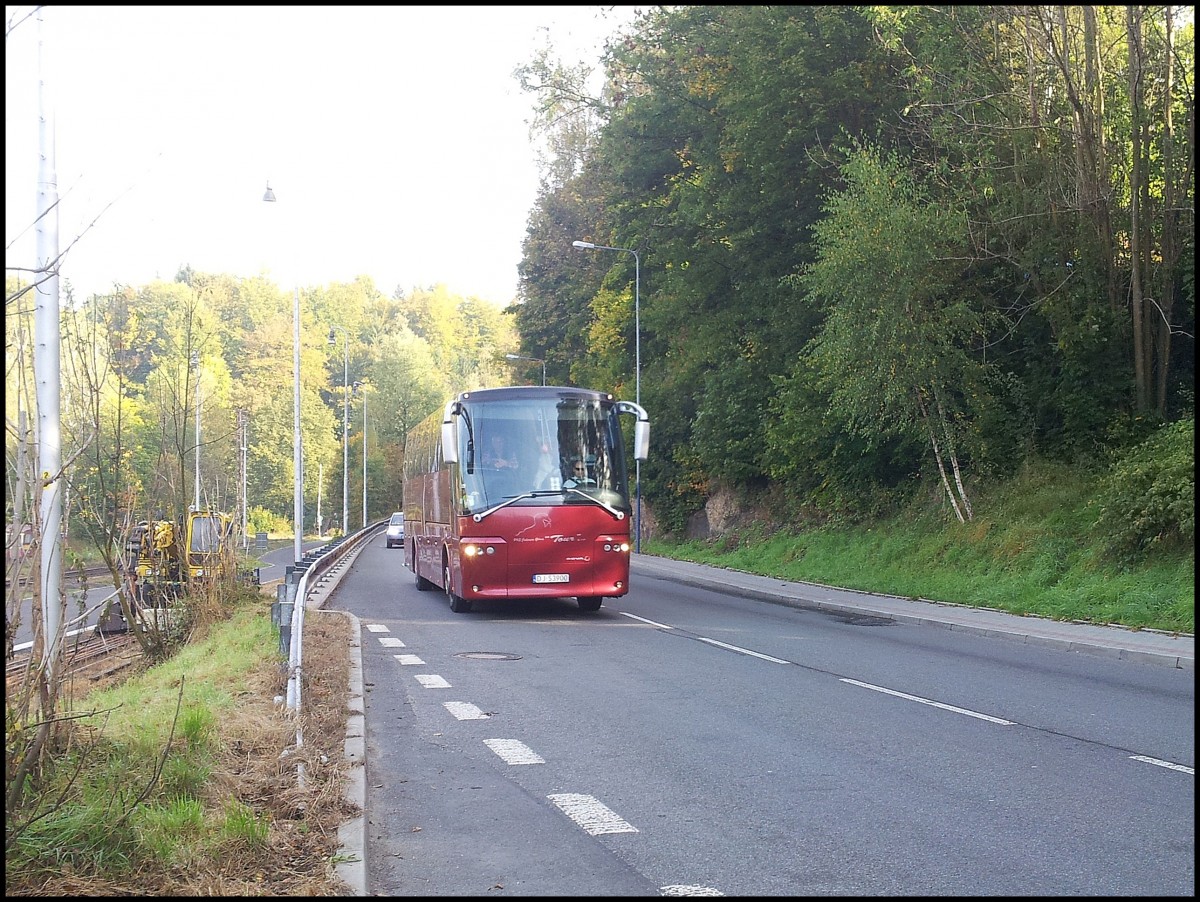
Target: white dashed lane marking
x=1158 y=762
x=683 y=889
x=391 y=642
x=465 y=711
x=514 y=752
x=933 y=704
x=431 y=681
x=743 y=651
x=591 y=814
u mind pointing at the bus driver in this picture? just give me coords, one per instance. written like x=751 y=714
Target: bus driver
x=578 y=476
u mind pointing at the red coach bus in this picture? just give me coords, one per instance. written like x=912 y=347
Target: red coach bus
x=522 y=492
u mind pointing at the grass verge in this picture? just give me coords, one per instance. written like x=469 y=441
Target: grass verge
x=185 y=779
x=1029 y=550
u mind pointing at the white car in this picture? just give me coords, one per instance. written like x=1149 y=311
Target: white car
x=395 y=530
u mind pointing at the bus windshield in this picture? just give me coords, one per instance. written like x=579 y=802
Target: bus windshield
x=556 y=450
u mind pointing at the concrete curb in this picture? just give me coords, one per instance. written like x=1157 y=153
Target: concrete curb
x=350 y=862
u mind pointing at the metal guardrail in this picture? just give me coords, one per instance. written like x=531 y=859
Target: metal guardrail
x=290 y=617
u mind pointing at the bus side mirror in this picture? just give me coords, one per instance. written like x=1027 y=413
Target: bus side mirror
x=449 y=445
x=641 y=431
x=449 y=433
x=641 y=440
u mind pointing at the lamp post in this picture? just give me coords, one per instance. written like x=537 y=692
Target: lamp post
x=637 y=358
x=297 y=472
x=532 y=360
x=243 y=433
x=196 y=369
x=363 y=386
x=345 y=423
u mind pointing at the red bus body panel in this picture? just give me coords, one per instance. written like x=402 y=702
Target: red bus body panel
x=581 y=547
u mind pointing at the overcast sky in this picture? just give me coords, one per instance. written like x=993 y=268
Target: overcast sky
x=394 y=138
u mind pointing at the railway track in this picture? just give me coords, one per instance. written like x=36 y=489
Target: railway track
x=75 y=573
x=87 y=662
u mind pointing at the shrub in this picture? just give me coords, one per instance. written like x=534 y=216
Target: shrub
x=1148 y=498
x=259 y=519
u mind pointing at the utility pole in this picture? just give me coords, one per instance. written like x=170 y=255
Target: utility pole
x=46 y=375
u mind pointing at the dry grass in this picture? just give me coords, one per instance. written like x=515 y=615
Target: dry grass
x=258 y=765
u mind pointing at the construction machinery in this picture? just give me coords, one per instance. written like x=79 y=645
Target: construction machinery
x=173 y=557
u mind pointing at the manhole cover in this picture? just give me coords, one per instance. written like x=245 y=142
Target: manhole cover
x=863 y=619
x=488 y=656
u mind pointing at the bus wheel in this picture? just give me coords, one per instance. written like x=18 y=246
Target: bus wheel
x=422 y=583
x=457 y=605
x=590 y=602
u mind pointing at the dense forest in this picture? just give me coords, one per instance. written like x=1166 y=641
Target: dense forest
x=876 y=247
x=843 y=254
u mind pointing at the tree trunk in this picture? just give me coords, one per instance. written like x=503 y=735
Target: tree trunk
x=1140 y=376
x=952 y=453
x=1172 y=190
x=937 y=456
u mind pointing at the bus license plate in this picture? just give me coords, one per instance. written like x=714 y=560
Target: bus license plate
x=551 y=577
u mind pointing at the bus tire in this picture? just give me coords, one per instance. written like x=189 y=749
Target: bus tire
x=590 y=602
x=423 y=585
x=457 y=604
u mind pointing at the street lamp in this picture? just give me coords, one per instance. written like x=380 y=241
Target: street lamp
x=243 y=433
x=363 y=386
x=637 y=359
x=196 y=369
x=532 y=360
x=345 y=423
x=297 y=472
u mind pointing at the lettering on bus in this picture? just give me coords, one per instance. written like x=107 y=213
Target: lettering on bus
x=554 y=538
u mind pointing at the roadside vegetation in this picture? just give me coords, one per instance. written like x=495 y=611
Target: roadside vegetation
x=1045 y=546
x=184 y=778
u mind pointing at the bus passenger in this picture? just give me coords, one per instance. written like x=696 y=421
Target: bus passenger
x=497 y=455
x=547 y=477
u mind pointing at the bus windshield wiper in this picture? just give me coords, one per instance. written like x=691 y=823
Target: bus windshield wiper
x=506 y=502
x=620 y=515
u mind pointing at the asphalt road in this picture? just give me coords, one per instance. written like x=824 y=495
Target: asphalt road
x=703 y=736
